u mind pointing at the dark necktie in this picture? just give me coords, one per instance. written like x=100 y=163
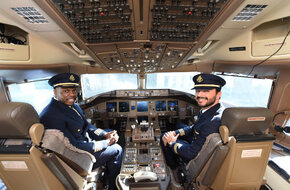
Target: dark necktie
x=199 y=114
x=76 y=111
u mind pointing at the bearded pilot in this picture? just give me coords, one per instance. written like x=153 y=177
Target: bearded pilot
x=187 y=141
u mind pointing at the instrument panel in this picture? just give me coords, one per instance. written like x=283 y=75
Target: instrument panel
x=140 y=116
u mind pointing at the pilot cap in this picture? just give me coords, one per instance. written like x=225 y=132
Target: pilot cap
x=208 y=81
x=64 y=80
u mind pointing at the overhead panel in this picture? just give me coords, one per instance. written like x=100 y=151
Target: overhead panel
x=99 y=21
x=145 y=35
x=176 y=20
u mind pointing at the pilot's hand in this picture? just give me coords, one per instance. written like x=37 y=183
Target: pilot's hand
x=174 y=138
x=164 y=140
x=112 y=137
x=116 y=137
x=169 y=137
x=109 y=134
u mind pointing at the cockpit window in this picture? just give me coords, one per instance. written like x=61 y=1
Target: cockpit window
x=177 y=81
x=93 y=84
x=239 y=91
x=37 y=93
x=246 y=92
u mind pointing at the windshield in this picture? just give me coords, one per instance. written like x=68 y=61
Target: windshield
x=238 y=91
x=177 y=81
x=93 y=84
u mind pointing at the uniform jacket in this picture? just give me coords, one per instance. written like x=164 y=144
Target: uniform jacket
x=74 y=126
x=208 y=123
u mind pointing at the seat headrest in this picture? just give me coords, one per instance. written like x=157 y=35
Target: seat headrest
x=247 y=121
x=16 y=118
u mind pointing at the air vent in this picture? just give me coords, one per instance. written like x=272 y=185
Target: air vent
x=30 y=14
x=249 y=12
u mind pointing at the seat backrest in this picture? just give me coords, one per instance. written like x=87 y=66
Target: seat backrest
x=15 y=120
x=195 y=165
x=247 y=121
x=239 y=162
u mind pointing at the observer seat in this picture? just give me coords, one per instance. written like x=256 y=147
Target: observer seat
x=31 y=158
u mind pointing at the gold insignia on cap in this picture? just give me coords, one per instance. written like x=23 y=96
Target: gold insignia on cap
x=199 y=79
x=72 y=78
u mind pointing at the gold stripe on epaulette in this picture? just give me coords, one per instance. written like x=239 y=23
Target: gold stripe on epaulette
x=181 y=132
x=196 y=132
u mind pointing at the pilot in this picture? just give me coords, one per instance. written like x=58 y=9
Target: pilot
x=187 y=141
x=64 y=114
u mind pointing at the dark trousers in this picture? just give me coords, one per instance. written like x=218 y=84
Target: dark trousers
x=112 y=157
x=170 y=156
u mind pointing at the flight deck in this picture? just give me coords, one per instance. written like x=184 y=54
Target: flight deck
x=140 y=117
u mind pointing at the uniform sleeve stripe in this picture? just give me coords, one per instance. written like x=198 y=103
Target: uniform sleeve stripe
x=181 y=132
x=98 y=146
x=175 y=148
x=99 y=131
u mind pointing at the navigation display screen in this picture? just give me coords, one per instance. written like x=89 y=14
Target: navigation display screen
x=142 y=106
x=160 y=105
x=111 y=106
x=172 y=105
x=123 y=106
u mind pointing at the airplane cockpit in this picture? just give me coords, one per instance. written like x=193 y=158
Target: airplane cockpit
x=136 y=60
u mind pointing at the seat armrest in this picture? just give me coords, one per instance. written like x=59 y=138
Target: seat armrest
x=36 y=133
x=224 y=132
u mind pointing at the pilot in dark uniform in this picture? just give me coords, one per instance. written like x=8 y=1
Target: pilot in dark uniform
x=63 y=114
x=187 y=141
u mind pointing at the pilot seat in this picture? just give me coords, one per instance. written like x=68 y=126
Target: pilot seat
x=235 y=158
x=34 y=158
